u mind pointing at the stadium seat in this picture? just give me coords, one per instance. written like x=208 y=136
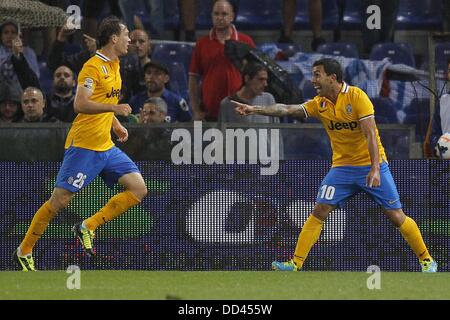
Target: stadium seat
x=385 y=111
x=204 y=10
x=308 y=90
x=289 y=49
x=46 y=78
x=278 y=50
x=352 y=18
x=259 y=14
x=330 y=15
x=171 y=14
x=179 y=80
x=419 y=14
x=418 y=113
x=348 y=50
x=397 y=52
x=140 y=9
x=297 y=78
x=271 y=49
x=173 y=52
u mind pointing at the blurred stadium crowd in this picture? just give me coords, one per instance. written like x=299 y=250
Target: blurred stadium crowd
x=164 y=72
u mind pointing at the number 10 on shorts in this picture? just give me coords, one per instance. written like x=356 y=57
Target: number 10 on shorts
x=327 y=192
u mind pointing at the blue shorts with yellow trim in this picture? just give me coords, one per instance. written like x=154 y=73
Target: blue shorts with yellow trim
x=341 y=183
x=81 y=166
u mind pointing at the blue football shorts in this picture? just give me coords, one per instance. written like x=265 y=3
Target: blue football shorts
x=341 y=183
x=81 y=166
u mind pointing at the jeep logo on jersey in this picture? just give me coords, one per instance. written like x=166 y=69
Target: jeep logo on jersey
x=342 y=125
x=113 y=93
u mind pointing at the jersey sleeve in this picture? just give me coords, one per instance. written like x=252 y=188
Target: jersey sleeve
x=88 y=77
x=363 y=106
x=311 y=107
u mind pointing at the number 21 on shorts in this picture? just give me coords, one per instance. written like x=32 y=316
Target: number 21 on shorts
x=327 y=192
x=79 y=181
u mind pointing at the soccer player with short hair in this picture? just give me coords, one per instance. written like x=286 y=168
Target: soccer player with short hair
x=359 y=161
x=90 y=151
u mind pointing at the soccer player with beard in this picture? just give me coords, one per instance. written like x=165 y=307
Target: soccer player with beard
x=90 y=151
x=359 y=161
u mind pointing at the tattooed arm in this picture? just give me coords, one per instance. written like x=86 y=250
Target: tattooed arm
x=275 y=110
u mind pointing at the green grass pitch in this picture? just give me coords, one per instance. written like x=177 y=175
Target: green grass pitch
x=217 y=285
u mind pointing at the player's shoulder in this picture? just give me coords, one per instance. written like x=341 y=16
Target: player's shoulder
x=93 y=62
x=267 y=96
x=317 y=100
x=97 y=60
x=352 y=90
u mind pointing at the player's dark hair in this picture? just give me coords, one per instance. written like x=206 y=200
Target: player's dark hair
x=331 y=66
x=251 y=69
x=107 y=28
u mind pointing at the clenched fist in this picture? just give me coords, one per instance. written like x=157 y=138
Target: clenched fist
x=123 y=109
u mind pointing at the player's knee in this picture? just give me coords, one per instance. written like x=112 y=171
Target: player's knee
x=59 y=202
x=396 y=216
x=140 y=191
x=321 y=211
x=144 y=192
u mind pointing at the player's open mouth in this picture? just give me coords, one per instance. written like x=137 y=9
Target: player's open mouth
x=318 y=88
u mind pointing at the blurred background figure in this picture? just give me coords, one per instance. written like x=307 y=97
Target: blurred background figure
x=57 y=55
x=219 y=77
x=13 y=50
x=33 y=104
x=188 y=12
x=156 y=79
x=315 y=17
x=154 y=110
x=156 y=18
x=60 y=102
x=252 y=92
x=132 y=65
x=10 y=103
x=92 y=9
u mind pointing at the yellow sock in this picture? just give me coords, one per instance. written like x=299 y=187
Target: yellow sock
x=116 y=206
x=38 y=225
x=308 y=237
x=410 y=231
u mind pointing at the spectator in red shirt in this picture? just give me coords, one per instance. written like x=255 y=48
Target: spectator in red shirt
x=220 y=78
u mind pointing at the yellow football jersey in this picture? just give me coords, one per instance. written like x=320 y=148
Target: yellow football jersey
x=341 y=121
x=93 y=131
